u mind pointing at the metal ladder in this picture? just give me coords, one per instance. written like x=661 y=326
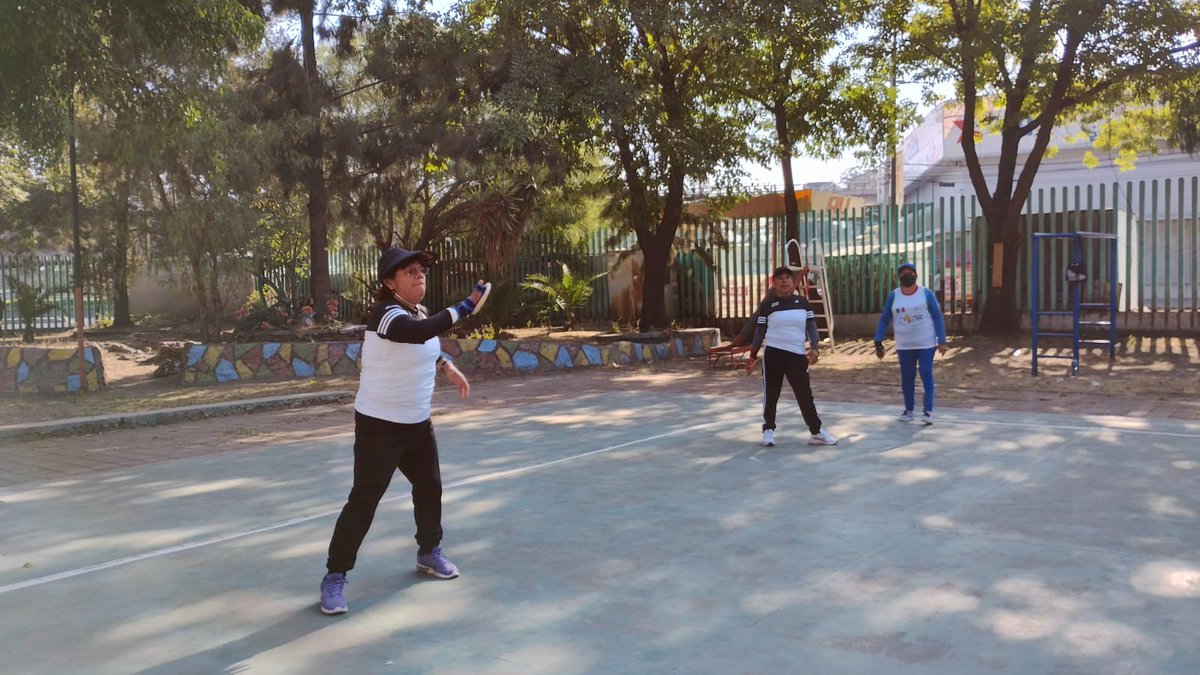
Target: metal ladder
x=1077 y=306
x=815 y=283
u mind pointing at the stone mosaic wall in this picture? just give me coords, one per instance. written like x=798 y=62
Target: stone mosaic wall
x=38 y=370
x=206 y=364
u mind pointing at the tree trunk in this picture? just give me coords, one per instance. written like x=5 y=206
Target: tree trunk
x=318 y=191
x=999 y=314
x=120 y=272
x=791 y=227
x=656 y=254
x=196 y=263
x=216 y=316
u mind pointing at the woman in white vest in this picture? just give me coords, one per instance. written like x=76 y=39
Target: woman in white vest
x=919 y=331
x=401 y=355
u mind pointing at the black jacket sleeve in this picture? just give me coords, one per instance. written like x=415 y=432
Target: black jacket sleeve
x=760 y=330
x=398 y=325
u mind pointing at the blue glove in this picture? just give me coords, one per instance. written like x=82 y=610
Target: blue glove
x=473 y=303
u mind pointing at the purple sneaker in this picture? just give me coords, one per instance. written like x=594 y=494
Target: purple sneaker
x=436 y=563
x=333 y=596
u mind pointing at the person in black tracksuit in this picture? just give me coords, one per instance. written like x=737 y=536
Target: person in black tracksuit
x=401 y=354
x=785 y=320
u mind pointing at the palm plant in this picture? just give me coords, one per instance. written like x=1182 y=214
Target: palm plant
x=566 y=295
x=31 y=303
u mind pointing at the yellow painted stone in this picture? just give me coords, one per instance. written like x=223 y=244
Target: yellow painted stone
x=93 y=381
x=211 y=356
x=324 y=368
x=645 y=353
x=56 y=355
x=322 y=352
x=14 y=357
x=626 y=348
x=581 y=359
x=189 y=376
x=285 y=352
x=468 y=346
x=504 y=359
x=243 y=370
x=549 y=350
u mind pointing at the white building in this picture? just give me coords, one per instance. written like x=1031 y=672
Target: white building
x=934 y=166
x=1153 y=207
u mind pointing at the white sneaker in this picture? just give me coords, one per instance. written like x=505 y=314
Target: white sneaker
x=769 y=438
x=822 y=437
x=905 y=416
x=926 y=418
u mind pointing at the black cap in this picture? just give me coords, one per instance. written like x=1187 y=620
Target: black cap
x=394 y=258
x=783 y=271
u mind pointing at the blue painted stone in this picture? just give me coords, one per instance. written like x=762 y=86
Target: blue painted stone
x=89 y=355
x=525 y=360
x=72 y=383
x=270 y=349
x=352 y=351
x=226 y=372
x=195 y=353
x=487 y=346
x=22 y=372
x=679 y=346
x=302 y=369
x=563 y=358
x=592 y=353
x=660 y=351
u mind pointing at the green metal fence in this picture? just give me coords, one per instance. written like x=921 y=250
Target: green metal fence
x=52 y=276
x=1157 y=224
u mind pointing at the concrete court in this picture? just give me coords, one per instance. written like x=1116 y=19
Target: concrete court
x=636 y=533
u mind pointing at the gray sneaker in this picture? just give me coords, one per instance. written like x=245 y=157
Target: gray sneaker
x=927 y=418
x=437 y=564
x=768 y=438
x=905 y=416
x=333 y=593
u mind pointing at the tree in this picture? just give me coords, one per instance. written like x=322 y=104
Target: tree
x=31 y=302
x=783 y=58
x=439 y=153
x=56 y=53
x=1028 y=66
x=633 y=80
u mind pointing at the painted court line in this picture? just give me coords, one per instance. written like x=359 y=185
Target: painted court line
x=201 y=543
x=1099 y=426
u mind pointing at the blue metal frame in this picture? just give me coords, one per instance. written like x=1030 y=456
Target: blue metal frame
x=1076 y=305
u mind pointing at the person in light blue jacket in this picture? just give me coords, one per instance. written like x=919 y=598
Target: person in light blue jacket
x=919 y=330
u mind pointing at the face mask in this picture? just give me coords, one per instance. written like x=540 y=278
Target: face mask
x=908 y=280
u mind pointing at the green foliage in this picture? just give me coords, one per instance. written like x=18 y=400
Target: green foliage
x=485 y=332
x=566 y=295
x=31 y=302
x=635 y=84
x=116 y=52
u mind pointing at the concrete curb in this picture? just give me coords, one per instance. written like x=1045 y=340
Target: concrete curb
x=150 y=418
